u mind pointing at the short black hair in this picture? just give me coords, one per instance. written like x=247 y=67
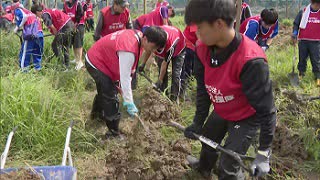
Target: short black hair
x=173 y=12
x=157 y=35
x=36 y=7
x=15 y=1
x=198 y=11
x=315 y=1
x=269 y=16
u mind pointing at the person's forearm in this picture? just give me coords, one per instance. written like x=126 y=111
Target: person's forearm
x=54 y=31
x=163 y=70
x=165 y=21
x=146 y=56
x=269 y=41
x=97 y=32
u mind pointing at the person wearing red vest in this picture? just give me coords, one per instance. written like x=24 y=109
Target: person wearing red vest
x=245 y=11
x=261 y=28
x=61 y=26
x=306 y=28
x=6 y=20
x=113 y=18
x=232 y=75
x=32 y=46
x=111 y=61
x=89 y=15
x=158 y=17
x=187 y=70
x=139 y=21
x=75 y=10
x=172 y=51
x=161 y=3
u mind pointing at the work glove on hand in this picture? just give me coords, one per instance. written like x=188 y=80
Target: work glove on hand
x=141 y=68
x=264 y=48
x=131 y=108
x=158 y=85
x=193 y=128
x=260 y=166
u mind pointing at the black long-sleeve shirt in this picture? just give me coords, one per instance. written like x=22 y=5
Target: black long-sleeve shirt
x=256 y=85
x=296 y=23
x=79 y=12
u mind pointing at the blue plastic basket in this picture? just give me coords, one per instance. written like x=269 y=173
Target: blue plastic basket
x=50 y=172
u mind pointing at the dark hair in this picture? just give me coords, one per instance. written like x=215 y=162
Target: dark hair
x=269 y=16
x=173 y=12
x=15 y=1
x=35 y=8
x=315 y=1
x=157 y=35
x=198 y=11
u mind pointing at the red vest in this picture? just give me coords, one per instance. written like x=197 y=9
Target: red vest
x=173 y=35
x=8 y=16
x=103 y=54
x=71 y=12
x=312 y=30
x=31 y=18
x=223 y=83
x=113 y=22
x=243 y=28
x=164 y=3
x=154 y=18
x=141 y=20
x=191 y=37
x=90 y=10
x=59 y=19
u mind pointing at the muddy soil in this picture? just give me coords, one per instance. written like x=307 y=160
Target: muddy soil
x=143 y=155
x=23 y=174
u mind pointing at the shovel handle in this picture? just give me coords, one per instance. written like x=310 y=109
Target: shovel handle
x=142 y=123
x=236 y=156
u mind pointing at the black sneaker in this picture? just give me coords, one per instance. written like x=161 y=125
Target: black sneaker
x=194 y=164
x=112 y=134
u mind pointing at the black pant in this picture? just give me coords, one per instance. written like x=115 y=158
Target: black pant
x=89 y=24
x=5 y=24
x=106 y=103
x=177 y=63
x=62 y=43
x=312 y=49
x=187 y=70
x=240 y=135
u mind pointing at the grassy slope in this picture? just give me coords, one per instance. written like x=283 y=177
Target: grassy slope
x=42 y=104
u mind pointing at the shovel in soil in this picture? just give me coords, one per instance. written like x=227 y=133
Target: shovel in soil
x=293 y=77
x=142 y=123
x=236 y=156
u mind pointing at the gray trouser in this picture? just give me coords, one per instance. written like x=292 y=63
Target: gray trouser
x=309 y=49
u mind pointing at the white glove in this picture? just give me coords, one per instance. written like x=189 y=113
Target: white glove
x=16 y=29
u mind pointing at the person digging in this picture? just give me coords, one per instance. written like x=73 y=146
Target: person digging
x=111 y=61
x=232 y=75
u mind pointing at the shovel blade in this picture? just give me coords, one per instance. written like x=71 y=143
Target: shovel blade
x=294 y=79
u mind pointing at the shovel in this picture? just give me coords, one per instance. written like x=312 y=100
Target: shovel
x=293 y=77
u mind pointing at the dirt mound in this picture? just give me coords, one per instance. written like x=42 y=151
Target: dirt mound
x=147 y=156
x=158 y=108
x=288 y=151
x=23 y=174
